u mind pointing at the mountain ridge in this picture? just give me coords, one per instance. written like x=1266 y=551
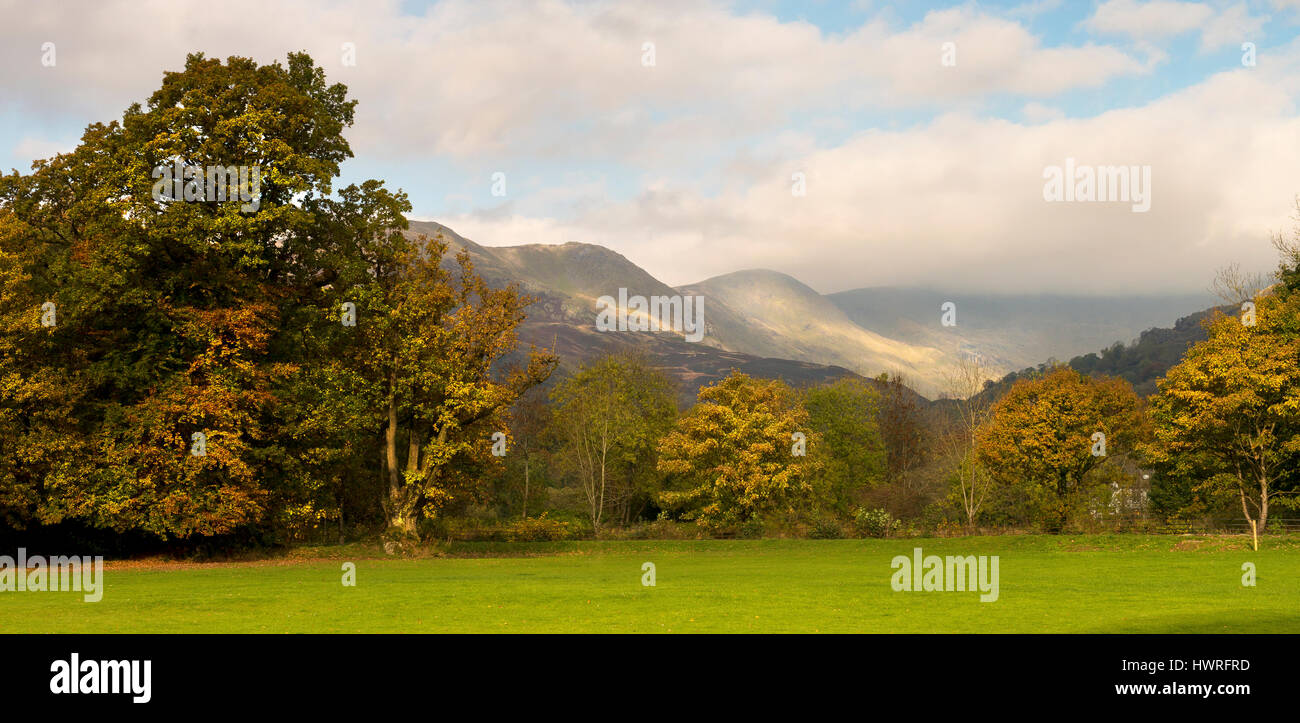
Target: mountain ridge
x=758 y=317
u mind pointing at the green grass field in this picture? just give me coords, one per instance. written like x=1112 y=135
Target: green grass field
x=1108 y=584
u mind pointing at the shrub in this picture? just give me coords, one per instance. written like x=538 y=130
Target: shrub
x=660 y=529
x=826 y=528
x=948 y=528
x=539 y=529
x=875 y=523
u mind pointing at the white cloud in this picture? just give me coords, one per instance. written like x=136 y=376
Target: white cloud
x=1162 y=19
x=41 y=148
x=1231 y=27
x=1035 y=112
x=956 y=201
x=959 y=202
x=548 y=79
x=1155 y=19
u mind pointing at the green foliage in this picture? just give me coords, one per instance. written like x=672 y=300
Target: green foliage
x=1140 y=363
x=851 y=452
x=826 y=528
x=903 y=431
x=172 y=317
x=1014 y=506
x=525 y=479
x=607 y=419
x=539 y=529
x=222 y=318
x=659 y=529
x=1172 y=494
x=875 y=522
x=751 y=529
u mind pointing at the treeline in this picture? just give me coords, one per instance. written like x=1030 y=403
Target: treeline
x=607 y=452
x=1054 y=450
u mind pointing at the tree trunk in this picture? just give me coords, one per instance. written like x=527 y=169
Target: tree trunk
x=525 y=488
x=600 y=506
x=1245 y=510
x=398 y=515
x=1263 y=502
x=386 y=499
x=413 y=452
x=390 y=441
x=1062 y=503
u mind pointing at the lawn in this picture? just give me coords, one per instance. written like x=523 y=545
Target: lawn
x=1119 y=584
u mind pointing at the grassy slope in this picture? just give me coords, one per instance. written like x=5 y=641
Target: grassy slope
x=1048 y=584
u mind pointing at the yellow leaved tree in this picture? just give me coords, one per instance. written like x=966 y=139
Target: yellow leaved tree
x=1228 y=416
x=732 y=456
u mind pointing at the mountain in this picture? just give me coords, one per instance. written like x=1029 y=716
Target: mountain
x=1012 y=332
x=765 y=322
x=566 y=279
x=757 y=313
x=781 y=317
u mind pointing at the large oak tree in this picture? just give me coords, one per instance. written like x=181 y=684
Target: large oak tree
x=132 y=322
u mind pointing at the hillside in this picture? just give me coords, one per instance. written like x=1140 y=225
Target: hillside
x=780 y=316
x=764 y=320
x=566 y=279
x=1142 y=363
x=1013 y=332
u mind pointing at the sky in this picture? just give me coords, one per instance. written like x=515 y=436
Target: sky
x=844 y=143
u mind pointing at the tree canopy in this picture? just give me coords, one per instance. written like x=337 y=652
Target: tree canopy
x=175 y=361
x=1227 y=418
x=732 y=456
x=1046 y=432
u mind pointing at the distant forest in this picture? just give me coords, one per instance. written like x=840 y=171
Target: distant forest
x=1140 y=362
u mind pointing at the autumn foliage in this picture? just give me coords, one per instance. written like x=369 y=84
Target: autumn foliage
x=1227 y=418
x=1044 y=433
x=732 y=457
x=180 y=368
